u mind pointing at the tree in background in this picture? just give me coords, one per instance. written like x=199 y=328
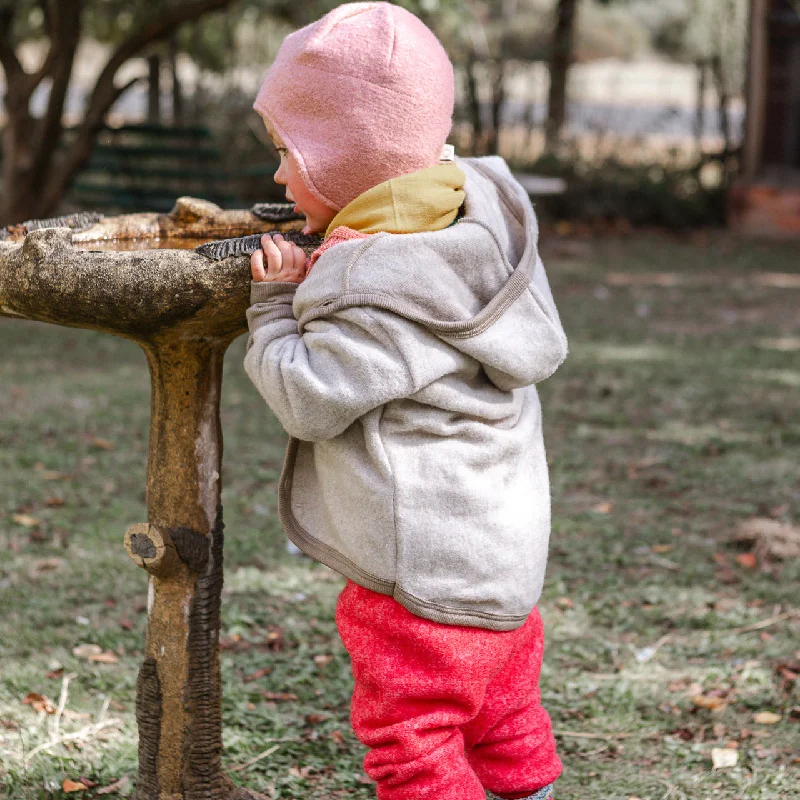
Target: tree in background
x=489 y=40
x=35 y=173
x=712 y=34
x=38 y=161
x=561 y=55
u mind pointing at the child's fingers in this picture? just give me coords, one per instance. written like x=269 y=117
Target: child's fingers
x=273 y=254
x=290 y=269
x=299 y=259
x=285 y=260
x=257 y=265
x=285 y=248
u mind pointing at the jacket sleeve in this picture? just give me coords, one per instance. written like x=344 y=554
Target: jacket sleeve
x=343 y=365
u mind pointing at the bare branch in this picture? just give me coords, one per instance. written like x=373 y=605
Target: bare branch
x=8 y=58
x=49 y=131
x=120 y=90
x=52 y=17
x=105 y=93
x=49 y=19
x=152 y=31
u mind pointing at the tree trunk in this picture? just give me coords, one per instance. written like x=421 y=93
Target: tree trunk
x=560 y=60
x=722 y=107
x=177 y=89
x=34 y=181
x=498 y=98
x=700 y=108
x=474 y=105
x=154 y=89
x=29 y=142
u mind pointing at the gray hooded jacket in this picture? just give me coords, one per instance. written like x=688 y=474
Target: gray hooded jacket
x=403 y=369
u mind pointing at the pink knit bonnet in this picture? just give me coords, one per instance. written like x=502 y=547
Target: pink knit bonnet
x=362 y=95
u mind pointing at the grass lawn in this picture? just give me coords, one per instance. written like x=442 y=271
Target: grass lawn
x=673 y=420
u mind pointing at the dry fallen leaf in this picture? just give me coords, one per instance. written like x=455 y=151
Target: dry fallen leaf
x=53 y=475
x=72 y=786
x=69 y=714
x=26 y=520
x=87 y=650
x=114 y=787
x=323 y=659
x=300 y=772
x=747 y=560
x=712 y=703
x=770 y=538
x=766 y=718
x=108 y=657
x=259 y=673
x=337 y=736
x=603 y=508
x=103 y=444
x=278 y=695
x=565 y=602
x=54 y=501
x=44 y=564
x=39 y=702
x=724 y=758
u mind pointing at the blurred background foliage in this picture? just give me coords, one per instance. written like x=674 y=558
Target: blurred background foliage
x=528 y=72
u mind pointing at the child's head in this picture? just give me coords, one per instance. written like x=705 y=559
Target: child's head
x=362 y=95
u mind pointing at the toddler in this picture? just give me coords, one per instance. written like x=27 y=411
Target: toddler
x=402 y=358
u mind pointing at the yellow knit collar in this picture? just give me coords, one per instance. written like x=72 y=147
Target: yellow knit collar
x=426 y=200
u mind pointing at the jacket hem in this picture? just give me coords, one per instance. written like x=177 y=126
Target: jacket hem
x=312 y=546
x=325 y=554
x=456 y=616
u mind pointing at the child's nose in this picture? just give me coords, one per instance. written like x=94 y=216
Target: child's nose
x=280 y=175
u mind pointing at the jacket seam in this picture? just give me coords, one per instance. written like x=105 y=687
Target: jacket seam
x=511 y=291
x=394 y=488
x=356 y=256
x=465 y=329
x=386 y=450
x=496 y=241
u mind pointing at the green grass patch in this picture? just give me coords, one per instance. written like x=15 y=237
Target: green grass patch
x=673 y=419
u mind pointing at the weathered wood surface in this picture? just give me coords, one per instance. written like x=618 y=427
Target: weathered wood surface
x=142 y=293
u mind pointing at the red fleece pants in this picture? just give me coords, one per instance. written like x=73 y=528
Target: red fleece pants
x=447 y=711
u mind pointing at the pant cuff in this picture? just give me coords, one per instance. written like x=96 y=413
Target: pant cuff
x=545 y=793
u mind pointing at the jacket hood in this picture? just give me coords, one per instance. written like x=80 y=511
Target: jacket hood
x=478 y=285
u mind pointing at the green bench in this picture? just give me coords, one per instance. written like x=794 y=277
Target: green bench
x=146 y=167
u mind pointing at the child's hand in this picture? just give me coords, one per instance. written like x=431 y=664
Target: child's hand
x=285 y=260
